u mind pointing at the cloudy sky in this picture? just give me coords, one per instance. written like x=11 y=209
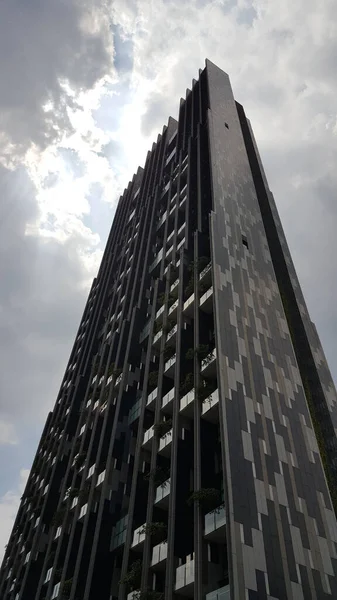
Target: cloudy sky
x=86 y=87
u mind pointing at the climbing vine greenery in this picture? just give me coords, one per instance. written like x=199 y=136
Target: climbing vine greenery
x=153 y=528
x=132 y=577
x=162 y=428
x=207 y=498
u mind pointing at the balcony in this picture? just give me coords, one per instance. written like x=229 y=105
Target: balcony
x=171 y=336
x=138 y=537
x=219 y=594
x=208 y=365
x=168 y=255
x=206 y=274
x=181 y=231
x=160 y=312
x=148 y=437
x=156 y=261
x=182 y=203
x=209 y=409
x=170 y=236
x=163 y=494
x=151 y=399
x=184 y=584
x=187 y=404
x=215 y=525
x=206 y=301
x=159 y=556
x=162 y=220
x=118 y=380
x=174 y=285
x=172 y=313
x=157 y=338
x=167 y=401
x=181 y=243
x=189 y=306
x=165 y=444
x=183 y=190
x=169 y=366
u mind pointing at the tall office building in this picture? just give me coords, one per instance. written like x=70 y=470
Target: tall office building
x=191 y=452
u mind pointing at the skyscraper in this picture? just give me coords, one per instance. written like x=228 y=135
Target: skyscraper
x=192 y=448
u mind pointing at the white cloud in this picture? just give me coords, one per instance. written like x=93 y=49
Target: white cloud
x=9 y=504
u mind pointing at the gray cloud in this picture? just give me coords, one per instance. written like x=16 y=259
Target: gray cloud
x=41 y=298
x=44 y=44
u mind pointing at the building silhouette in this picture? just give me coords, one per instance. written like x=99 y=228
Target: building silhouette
x=191 y=452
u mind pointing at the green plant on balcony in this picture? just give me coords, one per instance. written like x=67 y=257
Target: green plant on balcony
x=162 y=428
x=153 y=379
x=199 y=264
x=158 y=475
x=84 y=492
x=168 y=326
x=149 y=595
x=208 y=358
x=205 y=390
x=189 y=289
x=200 y=351
x=66 y=589
x=207 y=498
x=161 y=299
x=58 y=516
x=202 y=287
x=187 y=384
x=113 y=370
x=168 y=352
x=79 y=460
x=173 y=296
x=132 y=578
x=71 y=494
x=152 y=529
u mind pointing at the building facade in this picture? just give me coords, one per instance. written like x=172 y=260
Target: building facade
x=192 y=448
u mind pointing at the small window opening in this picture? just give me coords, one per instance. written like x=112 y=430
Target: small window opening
x=245 y=241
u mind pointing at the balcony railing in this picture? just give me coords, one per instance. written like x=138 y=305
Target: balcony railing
x=151 y=399
x=163 y=493
x=189 y=306
x=215 y=524
x=159 y=555
x=209 y=410
x=160 y=311
x=165 y=443
x=156 y=260
x=186 y=403
x=138 y=536
x=169 y=366
x=173 y=309
x=222 y=593
x=172 y=333
x=184 y=583
x=148 y=436
x=206 y=270
x=206 y=301
x=208 y=365
x=167 y=400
